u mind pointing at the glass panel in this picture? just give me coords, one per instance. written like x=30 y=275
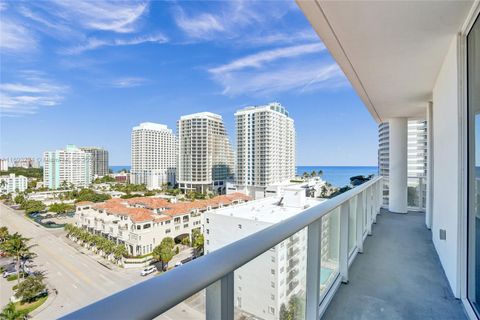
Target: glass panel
x=417 y=193
x=352 y=225
x=330 y=250
x=473 y=71
x=272 y=286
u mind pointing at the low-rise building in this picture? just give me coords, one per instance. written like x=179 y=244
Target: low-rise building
x=13 y=184
x=141 y=223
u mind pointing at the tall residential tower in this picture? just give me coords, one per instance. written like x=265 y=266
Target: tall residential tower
x=68 y=166
x=417 y=160
x=265 y=148
x=205 y=157
x=99 y=160
x=154 y=148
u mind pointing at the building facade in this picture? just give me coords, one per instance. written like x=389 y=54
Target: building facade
x=205 y=157
x=3 y=165
x=265 y=148
x=68 y=166
x=416 y=160
x=266 y=283
x=99 y=160
x=154 y=151
x=13 y=184
x=141 y=223
x=26 y=163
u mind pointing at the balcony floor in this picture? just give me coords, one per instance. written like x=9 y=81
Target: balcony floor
x=399 y=276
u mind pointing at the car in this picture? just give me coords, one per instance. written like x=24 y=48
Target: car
x=178 y=264
x=9 y=272
x=148 y=270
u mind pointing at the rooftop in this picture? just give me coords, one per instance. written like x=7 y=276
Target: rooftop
x=266 y=210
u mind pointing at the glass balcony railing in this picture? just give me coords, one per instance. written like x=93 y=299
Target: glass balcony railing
x=259 y=276
x=417 y=193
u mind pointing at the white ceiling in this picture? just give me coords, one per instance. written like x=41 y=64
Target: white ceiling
x=391 y=51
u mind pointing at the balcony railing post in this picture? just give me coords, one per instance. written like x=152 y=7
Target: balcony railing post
x=344 y=226
x=219 y=299
x=313 y=270
x=360 y=212
x=368 y=194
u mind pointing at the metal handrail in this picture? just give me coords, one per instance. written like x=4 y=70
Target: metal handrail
x=153 y=297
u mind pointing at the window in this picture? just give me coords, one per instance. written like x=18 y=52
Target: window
x=272 y=297
x=239 y=226
x=271 y=310
x=272 y=271
x=473 y=102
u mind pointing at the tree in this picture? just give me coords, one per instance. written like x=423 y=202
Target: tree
x=119 y=251
x=31 y=206
x=61 y=207
x=11 y=313
x=306 y=175
x=17 y=246
x=4 y=234
x=284 y=313
x=197 y=240
x=164 y=251
x=29 y=289
x=19 y=199
x=313 y=174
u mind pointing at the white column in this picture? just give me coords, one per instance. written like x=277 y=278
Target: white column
x=398 y=165
x=429 y=183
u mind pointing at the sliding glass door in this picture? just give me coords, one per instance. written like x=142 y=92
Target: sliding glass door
x=473 y=87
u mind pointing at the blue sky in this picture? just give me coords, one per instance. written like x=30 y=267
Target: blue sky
x=86 y=72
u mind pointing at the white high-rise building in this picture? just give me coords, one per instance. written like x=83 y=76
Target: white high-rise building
x=3 y=164
x=416 y=157
x=205 y=157
x=99 y=160
x=154 y=149
x=68 y=166
x=265 y=148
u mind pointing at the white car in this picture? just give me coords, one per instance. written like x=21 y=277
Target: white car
x=148 y=270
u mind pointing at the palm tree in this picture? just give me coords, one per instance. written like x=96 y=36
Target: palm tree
x=119 y=251
x=11 y=313
x=17 y=246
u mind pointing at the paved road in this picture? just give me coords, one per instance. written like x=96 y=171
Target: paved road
x=79 y=279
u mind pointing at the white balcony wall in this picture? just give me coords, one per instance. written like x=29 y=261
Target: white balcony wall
x=446 y=155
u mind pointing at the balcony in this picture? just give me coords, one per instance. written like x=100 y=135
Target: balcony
x=401 y=254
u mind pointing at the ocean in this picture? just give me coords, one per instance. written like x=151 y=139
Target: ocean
x=336 y=175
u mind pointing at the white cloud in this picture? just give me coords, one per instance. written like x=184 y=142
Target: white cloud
x=229 y=19
x=28 y=96
x=301 y=77
x=128 y=82
x=117 y=16
x=15 y=37
x=203 y=25
x=94 y=43
x=257 y=60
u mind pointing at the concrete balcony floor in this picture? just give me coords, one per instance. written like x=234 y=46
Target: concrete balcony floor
x=399 y=276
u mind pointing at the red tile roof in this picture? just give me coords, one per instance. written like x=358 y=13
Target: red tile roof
x=123 y=207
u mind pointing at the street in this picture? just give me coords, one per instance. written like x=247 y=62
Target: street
x=78 y=278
